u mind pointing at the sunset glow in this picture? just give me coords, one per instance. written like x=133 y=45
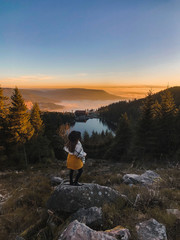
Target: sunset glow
x=91 y=44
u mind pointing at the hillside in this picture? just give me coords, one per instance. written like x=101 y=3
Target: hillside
x=132 y=108
x=24 y=196
x=48 y=98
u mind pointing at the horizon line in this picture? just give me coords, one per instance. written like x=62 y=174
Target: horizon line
x=93 y=86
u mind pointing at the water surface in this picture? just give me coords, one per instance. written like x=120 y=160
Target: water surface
x=90 y=125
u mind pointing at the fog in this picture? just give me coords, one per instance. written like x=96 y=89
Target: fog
x=84 y=104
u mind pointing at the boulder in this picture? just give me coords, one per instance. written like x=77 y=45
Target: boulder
x=68 y=198
x=92 y=217
x=131 y=179
x=119 y=232
x=151 y=230
x=79 y=231
x=56 y=181
x=147 y=178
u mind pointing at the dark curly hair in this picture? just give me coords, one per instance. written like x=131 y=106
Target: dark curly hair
x=73 y=138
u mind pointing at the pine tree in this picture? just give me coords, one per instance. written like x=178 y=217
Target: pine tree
x=177 y=139
x=146 y=128
x=178 y=128
x=121 y=143
x=35 y=119
x=2 y=105
x=20 y=128
x=3 y=117
x=86 y=137
x=167 y=123
x=2 y=112
x=123 y=135
x=39 y=149
x=3 y=125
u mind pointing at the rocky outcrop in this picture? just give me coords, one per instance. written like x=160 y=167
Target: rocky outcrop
x=132 y=179
x=147 y=178
x=119 y=232
x=67 y=198
x=79 y=231
x=151 y=230
x=92 y=217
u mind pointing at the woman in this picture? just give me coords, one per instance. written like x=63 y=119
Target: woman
x=76 y=156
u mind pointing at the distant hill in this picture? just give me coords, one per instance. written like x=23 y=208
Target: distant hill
x=48 y=98
x=113 y=111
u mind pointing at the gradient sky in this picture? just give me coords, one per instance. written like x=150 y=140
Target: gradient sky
x=89 y=42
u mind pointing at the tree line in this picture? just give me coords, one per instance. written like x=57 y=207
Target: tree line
x=155 y=134
x=28 y=137
x=113 y=112
x=96 y=144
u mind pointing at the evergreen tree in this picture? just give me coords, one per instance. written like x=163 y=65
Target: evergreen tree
x=178 y=129
x=167 y=123
x=121 y=143
x=3 y=116
x=39 y=150
x=35 y=119
x=3 y=123
x=86 y=137
x=177 y=140
x=57 y=144
x=3 y=108
x=20 y=128
x=146 y=128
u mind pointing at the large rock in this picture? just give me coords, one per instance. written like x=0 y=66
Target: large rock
x=131 y=179
x=92 y=217
x=147 y=178
x=79 y=231
x=151 y=230
x=67 y=198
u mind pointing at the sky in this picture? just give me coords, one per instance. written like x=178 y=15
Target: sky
x=74 y=43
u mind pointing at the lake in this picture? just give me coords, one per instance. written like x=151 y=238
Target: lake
x=90 y=125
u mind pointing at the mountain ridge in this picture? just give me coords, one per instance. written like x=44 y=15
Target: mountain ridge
x=132 y=108
x=48 y=98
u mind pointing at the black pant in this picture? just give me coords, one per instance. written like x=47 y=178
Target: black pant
x=80 y=171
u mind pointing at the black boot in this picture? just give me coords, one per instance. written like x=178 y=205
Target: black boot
x=80 y=171
x=71 y=177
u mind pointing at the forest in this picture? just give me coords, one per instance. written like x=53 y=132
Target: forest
x=29 y=137
x=145 y=130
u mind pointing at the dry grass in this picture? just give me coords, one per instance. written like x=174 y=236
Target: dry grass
x=30 y=189
x=24 y=206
